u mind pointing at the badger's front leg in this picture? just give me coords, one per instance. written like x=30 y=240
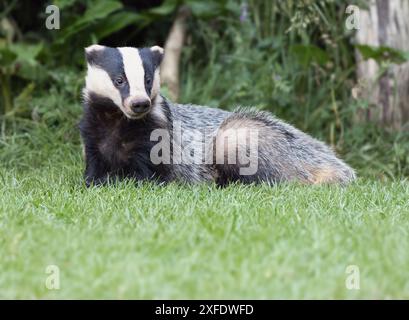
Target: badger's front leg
x=96 y=170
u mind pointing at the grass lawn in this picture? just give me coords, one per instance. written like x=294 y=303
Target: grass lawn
x=123 y=241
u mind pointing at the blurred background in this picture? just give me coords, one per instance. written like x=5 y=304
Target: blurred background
x=338 y=73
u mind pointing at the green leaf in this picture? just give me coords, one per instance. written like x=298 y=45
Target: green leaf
x=307 y=54
x=7 y=57
x=115 y=22
x=100 y=10
x=204 y=9
x=22 y=101
x=20 y=59
x=63 y=4
x=382 y=53
x=27 y=53
x=166 y=8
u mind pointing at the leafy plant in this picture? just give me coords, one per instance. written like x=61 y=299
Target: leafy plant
x=382 y=53
x=18 y=61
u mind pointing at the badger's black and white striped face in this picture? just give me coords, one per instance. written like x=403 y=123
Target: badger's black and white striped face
x=128 y=76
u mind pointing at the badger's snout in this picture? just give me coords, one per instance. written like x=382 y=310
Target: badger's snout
x=138 y=106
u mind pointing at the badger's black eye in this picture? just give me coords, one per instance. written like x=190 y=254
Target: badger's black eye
x=119 y=81
x=148 y=81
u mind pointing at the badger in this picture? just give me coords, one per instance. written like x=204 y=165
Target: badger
x=129 y=130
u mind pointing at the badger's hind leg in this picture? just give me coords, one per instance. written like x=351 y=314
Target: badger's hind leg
x=252 y=146
x=235 y=151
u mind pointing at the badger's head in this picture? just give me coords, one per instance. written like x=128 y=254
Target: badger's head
x=128 y=77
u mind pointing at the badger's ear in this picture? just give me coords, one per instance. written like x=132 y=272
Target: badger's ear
x=92 y=52
x=157 y=55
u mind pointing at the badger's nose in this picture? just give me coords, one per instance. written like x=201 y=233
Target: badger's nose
x=140 y=106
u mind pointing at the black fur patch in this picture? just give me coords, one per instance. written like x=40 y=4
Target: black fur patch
x=116 y=147
x=101 y=103
x=151 y=60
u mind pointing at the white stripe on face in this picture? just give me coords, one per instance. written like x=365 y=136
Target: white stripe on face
x=134 y=72
x=155 y=84
x=99 y=82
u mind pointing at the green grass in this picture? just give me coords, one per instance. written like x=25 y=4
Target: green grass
x=151 y=241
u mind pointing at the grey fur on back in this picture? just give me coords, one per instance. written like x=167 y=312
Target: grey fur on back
x=195 y=119
x=284 y=152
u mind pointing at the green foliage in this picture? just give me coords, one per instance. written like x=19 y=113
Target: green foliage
x=307 y=54
x=266 y=60
x=199 y=9
x=18 y=60
x=100 y=19
x=382 y=53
